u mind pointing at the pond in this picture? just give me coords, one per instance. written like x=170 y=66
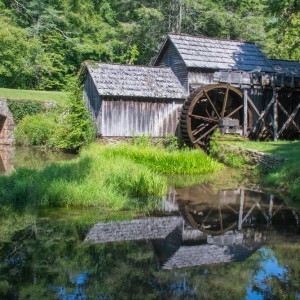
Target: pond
x=34 y=158
x=204 y=242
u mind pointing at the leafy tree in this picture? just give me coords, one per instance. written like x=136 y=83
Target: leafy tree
x=284 y=29
x=46 y=41
x=75 y=129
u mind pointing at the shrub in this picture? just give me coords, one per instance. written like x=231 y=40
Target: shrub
x=23 y=108
x=75 y=126
x=34 y=130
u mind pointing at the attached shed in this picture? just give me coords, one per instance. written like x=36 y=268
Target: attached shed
x=127 y=100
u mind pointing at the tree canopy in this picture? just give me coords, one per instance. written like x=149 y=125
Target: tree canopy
x=43 y=43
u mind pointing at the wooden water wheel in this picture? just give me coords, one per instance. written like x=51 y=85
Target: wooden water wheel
x=206 y=109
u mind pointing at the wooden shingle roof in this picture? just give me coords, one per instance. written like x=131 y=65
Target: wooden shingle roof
x=286 y=66
x=135 y=81
x=210 y=53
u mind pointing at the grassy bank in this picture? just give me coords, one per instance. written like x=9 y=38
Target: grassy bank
x=115 y=177
x=59 y=97
x=285 y=177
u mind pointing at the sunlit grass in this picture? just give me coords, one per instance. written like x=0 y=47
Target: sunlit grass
x=59 y=97
x=157 y=159
x=287 y=175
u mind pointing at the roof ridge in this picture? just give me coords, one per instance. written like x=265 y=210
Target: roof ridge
x=285 y=60
x=90 y=63
x=210 y=38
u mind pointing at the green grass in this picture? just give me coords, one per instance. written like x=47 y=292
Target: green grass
x=287 y=149
x=122 y=177
x=185 y=161
x=59 y=97
x=286 y=176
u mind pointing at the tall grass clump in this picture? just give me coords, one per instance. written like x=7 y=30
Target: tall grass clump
x=114 y=177
x=90 y=180
x=159 y=160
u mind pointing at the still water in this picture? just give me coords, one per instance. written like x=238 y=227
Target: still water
x=202 y=243
x=35 y=158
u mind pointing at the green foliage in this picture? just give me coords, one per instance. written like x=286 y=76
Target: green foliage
x=142 y=140
x=45 y=42
x=171 y=142
x=21 y=109
x=75 y=129
x=67 y=128
x=34 y=130
x=283 y=29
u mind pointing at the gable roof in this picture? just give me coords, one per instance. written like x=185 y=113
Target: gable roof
x=286 y=66
x=135 y=81
x=211 y=53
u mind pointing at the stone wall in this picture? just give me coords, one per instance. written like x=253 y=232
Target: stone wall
x=254 y=158
x=7 y=124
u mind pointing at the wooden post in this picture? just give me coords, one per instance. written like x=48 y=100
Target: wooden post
x=242 y=199
x=275 y=115
x=245 y=112
x=271 y=209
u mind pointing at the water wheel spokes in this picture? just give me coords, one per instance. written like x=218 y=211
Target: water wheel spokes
x=205 y=108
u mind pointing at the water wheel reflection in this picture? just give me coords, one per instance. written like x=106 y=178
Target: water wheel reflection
x=217 y=213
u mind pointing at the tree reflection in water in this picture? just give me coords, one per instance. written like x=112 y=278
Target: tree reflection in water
x=47 y=259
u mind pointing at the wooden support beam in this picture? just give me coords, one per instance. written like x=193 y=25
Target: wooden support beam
x=263 y=114
x=245 y=122
x=275 y=115
x=289 y=120
x=253 y=106
x=286 y=113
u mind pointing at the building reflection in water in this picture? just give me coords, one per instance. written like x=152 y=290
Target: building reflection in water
x=204 y=227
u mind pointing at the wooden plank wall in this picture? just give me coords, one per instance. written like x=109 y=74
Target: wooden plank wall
x=198 y=78
x=127 y=117
x=172 y=59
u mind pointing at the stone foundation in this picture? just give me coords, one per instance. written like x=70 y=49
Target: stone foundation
x=254 y=157
x=7 y=124
x=108 y=140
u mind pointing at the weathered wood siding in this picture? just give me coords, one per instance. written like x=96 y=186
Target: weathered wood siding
x=93 y=102
x=171 y=58
x=200 y=78
x=127 y=117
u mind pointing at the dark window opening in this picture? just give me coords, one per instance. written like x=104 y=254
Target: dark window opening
x=2 y=121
